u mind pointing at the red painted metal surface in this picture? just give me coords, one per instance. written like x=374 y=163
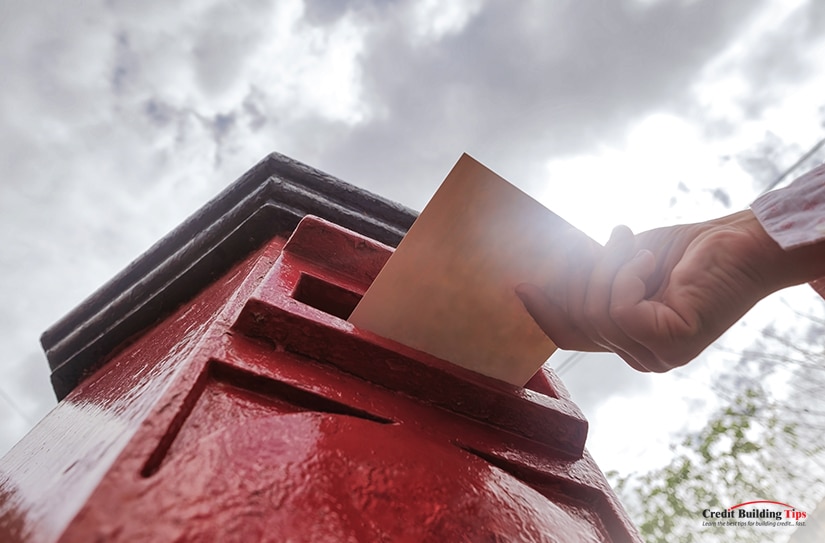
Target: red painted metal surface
x=257 y=413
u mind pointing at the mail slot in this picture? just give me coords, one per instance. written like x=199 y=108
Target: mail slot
x=327 y=297
x=218 y=393
x=279 y=312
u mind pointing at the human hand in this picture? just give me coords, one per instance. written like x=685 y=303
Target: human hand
x=661 y=297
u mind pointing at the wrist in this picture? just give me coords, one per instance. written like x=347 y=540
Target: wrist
x=773 y=267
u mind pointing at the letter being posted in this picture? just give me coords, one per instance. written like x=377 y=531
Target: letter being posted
x=448 y=289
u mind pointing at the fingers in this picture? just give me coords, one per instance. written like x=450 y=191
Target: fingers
x=553 y=320
x=579 y=268
x=557 y=325
x=602 y=302
x=629 y=286
x=645 y=321
x=617 y=251
x=575 y=312
x=597 y=304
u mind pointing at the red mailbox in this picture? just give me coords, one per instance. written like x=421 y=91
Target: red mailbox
x=214 y=391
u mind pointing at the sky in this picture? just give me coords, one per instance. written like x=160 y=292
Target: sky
x=120 y=119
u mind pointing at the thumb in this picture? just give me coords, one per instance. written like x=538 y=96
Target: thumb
x=629 y=285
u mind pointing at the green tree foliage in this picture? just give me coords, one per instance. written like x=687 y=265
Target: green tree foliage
x=765 y=442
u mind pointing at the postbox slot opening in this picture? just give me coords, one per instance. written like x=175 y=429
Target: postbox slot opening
x=326 y=296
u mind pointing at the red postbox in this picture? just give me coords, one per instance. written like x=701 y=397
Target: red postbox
x=214 y=391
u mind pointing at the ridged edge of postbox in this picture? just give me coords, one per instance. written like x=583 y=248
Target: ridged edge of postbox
x=350 y=261
x=555 y=422
x=268 y=200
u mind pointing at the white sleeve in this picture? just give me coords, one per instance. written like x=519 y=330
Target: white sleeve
x=795 y=215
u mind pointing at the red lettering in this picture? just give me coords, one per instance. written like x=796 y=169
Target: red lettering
x=794 y=514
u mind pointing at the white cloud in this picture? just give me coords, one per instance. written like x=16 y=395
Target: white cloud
x=432 y=20
x=118 y=119
x=663 y=172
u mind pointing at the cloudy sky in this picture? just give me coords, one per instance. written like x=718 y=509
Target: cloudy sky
x=119 y=119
